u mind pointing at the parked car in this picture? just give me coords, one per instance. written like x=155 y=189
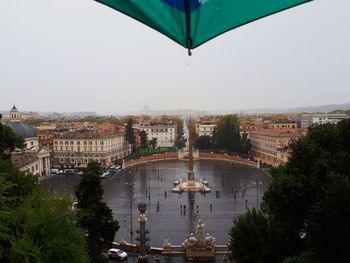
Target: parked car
x=54 y=171
x=116 y=253
x=105 y=174
x=80 y=173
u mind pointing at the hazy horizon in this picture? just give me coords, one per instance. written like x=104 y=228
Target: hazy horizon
x=73 y=56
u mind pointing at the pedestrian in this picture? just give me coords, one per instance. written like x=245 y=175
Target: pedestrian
x=165 y=194
x=146 y=192
x=211 y=208
x=156 y=259
x=197 y=209
x=246 y=203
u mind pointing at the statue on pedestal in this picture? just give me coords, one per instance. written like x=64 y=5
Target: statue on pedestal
x=200 y=245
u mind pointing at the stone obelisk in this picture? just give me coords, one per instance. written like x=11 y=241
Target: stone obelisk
x=190 y=172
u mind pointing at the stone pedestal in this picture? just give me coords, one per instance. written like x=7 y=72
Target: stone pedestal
x=199 y=246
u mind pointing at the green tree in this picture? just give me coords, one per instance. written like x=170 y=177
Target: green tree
x=6 y=217
x=226 y=134
x=179 y=143
x=308 y=199
x=129 y=133
x=94 y=216
x=144 y=141
x=246 y=144
x=9 y=141
x=47 y=232
x=203 y=142
x=305 y=257
x=328 y=224
x=251 y=239
x=153 y=142
x=179 y=128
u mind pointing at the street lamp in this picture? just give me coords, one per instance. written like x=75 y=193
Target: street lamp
x=257 y=183
x=149 y=183
x=131 y=184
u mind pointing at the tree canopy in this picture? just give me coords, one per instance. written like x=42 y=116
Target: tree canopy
x=143 y=137
x=129 y=132
x=35 y=226
x=9 y=141
x=308 y=200
x=94 y=216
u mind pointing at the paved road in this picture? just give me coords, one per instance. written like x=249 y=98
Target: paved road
x=133 y=259
x=168 y=222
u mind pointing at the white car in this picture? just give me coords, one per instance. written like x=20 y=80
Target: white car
x=116 y=253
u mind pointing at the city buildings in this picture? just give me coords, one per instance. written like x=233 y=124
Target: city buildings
x=165 y=134
x=205 y=127
x=271 y=146
x=33 y=159
x=77 y=149
x=321 y=118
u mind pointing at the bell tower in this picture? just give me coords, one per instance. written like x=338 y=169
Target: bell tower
x=14 y=114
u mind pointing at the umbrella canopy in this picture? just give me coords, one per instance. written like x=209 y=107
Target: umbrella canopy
x=193 y=22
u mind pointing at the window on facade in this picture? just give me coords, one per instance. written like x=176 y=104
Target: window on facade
x=66 y=142
x=36 y=167
x=78 y=142
x=61 y=142
x=101 y=143
x=85 y=142
x=71 y=142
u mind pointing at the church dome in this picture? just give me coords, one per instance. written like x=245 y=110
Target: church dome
x=23 y=129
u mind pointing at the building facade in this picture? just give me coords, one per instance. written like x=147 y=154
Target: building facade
x=77 y=149
x=282 y=125
x=308 y=120
x=165 y=134
x=271 y=146
x=205 y=129
x=34 y=159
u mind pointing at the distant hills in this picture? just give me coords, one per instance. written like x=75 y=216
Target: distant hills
x=341 y=108
x=307 y=109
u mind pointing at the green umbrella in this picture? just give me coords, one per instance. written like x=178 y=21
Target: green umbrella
x=193 y=22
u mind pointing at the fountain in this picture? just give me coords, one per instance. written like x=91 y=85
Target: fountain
x=190 y=185
x=199 y=245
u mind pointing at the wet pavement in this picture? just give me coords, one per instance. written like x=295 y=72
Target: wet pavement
x=165 y=259
x=166 y=219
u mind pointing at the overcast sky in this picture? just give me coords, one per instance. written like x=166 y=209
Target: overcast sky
x=79 y=55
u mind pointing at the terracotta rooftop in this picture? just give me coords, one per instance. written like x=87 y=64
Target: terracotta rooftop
x=278 y=132
x=22 y=159
x=85 y=135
